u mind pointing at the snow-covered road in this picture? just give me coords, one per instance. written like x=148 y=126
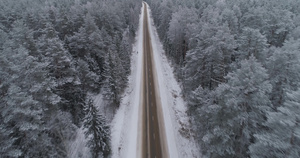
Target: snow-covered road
x=125 y=129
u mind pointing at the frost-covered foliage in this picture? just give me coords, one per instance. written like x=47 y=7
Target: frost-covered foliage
x=97 y=131
x=282 y=137
x=238 y=62
x=53 y=54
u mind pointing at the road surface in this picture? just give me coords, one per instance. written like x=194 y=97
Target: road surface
x=153 y=135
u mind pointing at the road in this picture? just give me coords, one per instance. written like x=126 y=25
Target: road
x=153 y=136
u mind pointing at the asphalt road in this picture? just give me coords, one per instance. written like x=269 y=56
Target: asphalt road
x=152 y=136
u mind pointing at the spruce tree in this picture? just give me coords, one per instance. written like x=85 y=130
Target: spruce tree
x=97 y=131
x=111 y=84
x=61 y=67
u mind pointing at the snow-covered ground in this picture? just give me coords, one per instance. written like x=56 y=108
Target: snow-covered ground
x=125 y=122
x=77 y=148
x=174 y=107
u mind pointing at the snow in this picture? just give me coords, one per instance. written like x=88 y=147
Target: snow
x=125 y=123
x=101 y=105
x=78 y=147
x=179 y=136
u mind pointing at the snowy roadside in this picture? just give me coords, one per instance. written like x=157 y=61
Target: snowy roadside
x=180 y=140
x=125 y=122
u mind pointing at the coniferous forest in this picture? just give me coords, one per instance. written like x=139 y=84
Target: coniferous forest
x=239 y=65
x=55 y=54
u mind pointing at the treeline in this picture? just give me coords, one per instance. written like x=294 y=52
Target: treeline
x=54 y=54
x=239 y=65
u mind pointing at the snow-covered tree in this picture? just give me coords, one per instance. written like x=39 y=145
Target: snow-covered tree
x=7 y=147
x=88 y=45
x=271 y=18
x=124 y=54
x=61 y=67
x=207 y=63
x=59 y=59
x=251 y=41
x=231 y=17
x=284 y=69
x=24 y=116
x=62 y=130
x=24 y=109
x=178 y=33
x=45 y=77
x=82 y=41
x=281 y=138
x=88 y=79
x=225 y=35
x=237 y=112
x=111 y=84
x=97 y=131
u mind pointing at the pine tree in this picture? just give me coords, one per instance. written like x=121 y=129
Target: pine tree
x=251 y=41
x=282 y=135
x=24 y=109
x=124 y=54
x=237 y=111
x=58 y=58
x=230 y=16
x=208 y=62
x=97 y=131
x=61 y=67
x=23 y=35
x=88 y=79
x=7 y=147
x=112 y=84
x=87 y=44
x=178 y=33
x=284 y=69
x=43 y=81
x=271 y=18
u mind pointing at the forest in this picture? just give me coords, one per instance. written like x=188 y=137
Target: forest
x=239 y=66
x=55 y=55
x=238 y=63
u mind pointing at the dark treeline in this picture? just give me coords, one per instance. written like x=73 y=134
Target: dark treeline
x=239 y=65
x=54 y=54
